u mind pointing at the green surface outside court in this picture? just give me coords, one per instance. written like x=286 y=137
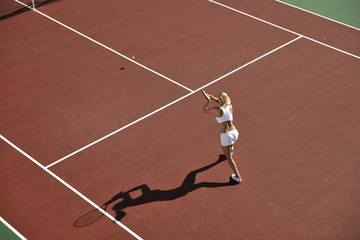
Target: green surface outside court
x=345 y=11
x=6 y=233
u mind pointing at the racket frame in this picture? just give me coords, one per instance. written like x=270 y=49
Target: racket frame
x=206 y=95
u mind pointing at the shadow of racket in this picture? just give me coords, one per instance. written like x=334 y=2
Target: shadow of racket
x=90 y=217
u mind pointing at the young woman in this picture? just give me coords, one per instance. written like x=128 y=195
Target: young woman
x=228 y=132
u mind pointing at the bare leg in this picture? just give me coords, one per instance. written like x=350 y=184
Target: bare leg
x=228 y=153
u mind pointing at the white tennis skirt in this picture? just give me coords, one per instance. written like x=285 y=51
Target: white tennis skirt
x=229 y=138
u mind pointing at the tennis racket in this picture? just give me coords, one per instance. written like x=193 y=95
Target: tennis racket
x=206 y=95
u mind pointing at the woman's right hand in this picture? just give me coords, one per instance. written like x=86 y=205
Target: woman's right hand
x=214 y=98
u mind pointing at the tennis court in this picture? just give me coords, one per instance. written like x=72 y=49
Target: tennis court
x=102 y=130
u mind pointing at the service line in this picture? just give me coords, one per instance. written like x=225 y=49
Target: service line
x=71 y=188
x=169 y=104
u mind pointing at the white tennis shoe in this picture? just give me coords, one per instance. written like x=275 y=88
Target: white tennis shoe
x=238 y=179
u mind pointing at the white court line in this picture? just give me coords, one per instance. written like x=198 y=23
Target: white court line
x=12 y=229
x=169 y=104
x=71 y=188
x=104 y=46
x=285 y=29
x=256 y=59
x=316 y=14
x=120 y=129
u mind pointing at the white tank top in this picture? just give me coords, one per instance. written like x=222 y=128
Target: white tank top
x=227 y=116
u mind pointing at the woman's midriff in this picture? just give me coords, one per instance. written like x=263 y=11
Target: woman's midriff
x=226 y=127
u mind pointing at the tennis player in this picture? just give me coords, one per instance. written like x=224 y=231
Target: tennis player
x=228 y=132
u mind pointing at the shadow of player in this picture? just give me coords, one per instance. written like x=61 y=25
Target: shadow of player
x=148 y=195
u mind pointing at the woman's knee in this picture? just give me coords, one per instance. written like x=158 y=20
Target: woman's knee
x=228 y=155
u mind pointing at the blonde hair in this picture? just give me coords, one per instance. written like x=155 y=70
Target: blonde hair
x=224 y=98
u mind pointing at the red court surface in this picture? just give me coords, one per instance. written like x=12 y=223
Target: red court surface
x=63 y=88
x=318 y=28
x=41 y=207
x=296 y=106
x=200 y=47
